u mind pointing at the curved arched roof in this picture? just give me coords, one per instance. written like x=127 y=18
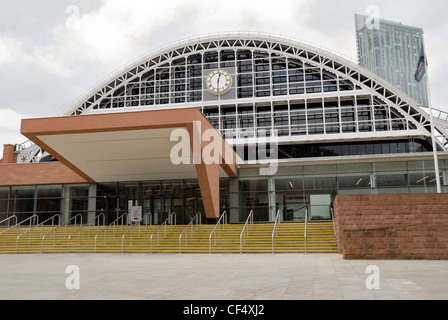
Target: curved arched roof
x=120 y=85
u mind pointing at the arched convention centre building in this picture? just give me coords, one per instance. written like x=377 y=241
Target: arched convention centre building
x=249 y=124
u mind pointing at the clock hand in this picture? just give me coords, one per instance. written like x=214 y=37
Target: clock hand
x=219 y=78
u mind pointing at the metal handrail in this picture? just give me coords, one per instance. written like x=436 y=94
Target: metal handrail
x=113 y=224
x=31 y=219
x=65 y=231
x=198 y=218
x=41 y=230
x=223 y=218
x=150 y=218
x=275 y=231
x=245 y=232
x=334 y=226
x=131 y=231
x=89 y=224
x=7 y=219
x=332 y=218
x=304 y=207
x=306 y=229
x=170 y=217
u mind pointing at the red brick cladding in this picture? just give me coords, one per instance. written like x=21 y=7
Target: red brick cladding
x=408 y=226
x=37 y=173
x=8 y=154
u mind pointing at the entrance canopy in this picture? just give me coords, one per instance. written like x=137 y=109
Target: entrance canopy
x=151 y=145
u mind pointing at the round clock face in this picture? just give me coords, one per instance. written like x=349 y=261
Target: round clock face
x=219 y=81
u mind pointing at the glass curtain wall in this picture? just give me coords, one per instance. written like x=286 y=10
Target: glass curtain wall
x=289 y=192
x=158 y=199
x=4 y=205
x=294 y=188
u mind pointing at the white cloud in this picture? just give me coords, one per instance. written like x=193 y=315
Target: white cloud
x=11 y=51
x=118 y=31
x=10 y=121
x=49 y=59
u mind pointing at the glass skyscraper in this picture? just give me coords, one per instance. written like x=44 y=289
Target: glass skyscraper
x=391 y=50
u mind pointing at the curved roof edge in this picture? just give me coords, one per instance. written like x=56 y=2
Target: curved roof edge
x=316 y=54
x=198 y=39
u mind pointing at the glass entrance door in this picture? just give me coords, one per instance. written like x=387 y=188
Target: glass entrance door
x=292 y=207
x=161 y=208
x=290 y=199
x=111 y=208
x=320 y=207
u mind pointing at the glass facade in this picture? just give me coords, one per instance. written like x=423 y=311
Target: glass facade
x=291 y=190
x=294 y=188
x=257 y=74
x=308 y=117
x=301 y=151
x=157 y=199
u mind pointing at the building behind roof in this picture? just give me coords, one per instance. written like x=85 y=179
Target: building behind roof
x=392 y=51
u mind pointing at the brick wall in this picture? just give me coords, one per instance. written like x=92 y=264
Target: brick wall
x=8 y=154
x=409 y=226
x=37 y=173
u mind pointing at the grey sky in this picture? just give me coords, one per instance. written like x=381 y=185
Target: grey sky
x=53 y=51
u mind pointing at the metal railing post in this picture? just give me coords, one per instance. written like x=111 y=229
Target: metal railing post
x=306 y=229
x=245 y=231
x=30 y=219
x=35 y=227
x=223 y=218
x=89 y=224
x=275 y=231
x=196 y=218
x=113 y=224
x=161 y=226
x=60 y=226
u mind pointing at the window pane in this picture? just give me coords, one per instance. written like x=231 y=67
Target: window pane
x=355 y=182
x=23 y=192
x=18 y=206
x=290 y=184
x=79 y=204
x=254 y=185
x=322 y=183
x=320 y=169
x=3 y=207
x=79 y=190
x=289 y=171
x=391 y=180
x=390 y=166
x=129 y=189
x=361 y=167
x=419 y=179
x=4 y=193
x=48 y=205
x=107 y=189
x=49 y=191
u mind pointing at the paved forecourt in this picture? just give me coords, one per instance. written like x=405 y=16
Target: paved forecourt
x=218 y=277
